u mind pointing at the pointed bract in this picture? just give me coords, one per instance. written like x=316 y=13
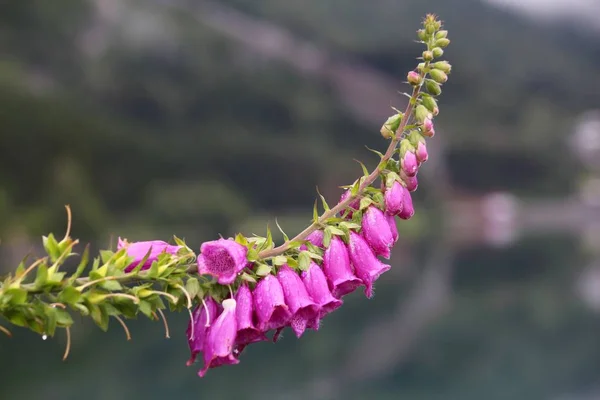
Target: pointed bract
x=269 y=304
x=301 y=305
x=336 y=265
x=202 y=318
x=368 y=267
x=247 y=332
x=353 y=205
x=223 y=259
x=138 y=250
x=393 y=198
x=220 y=339
x=376 y=231
x=316 y=286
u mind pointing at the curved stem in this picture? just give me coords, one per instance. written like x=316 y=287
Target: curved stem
x=365 y=184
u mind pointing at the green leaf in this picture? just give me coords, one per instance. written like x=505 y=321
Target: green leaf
x=153 y=271
x=269 y=242
x=17 y=296
x=139 y=266
x=336 y=231
x=364 y=203
x=314 y=256
x=292 y=262
x=193 y=287
x=241 y=239
x=63 y=318
x=69 y=295
x=179 y=242
x=279 y=260
x=85 y=257
x=350 y=225
x=380 y=154
x=263 y=270
x=106 y=255
x=17 y=319
x=111 y=285
x=41 y=276
x=252 y=255
x=316 y=212
x=51 y=318
x=146 y=308
x=51 y=247
x=296 y=244
x=355 y=188
x=304 y=260
x=100 y=316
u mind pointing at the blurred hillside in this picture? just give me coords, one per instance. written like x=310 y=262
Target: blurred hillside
x=155 y=117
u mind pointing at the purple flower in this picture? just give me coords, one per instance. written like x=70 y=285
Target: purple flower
x=316 y=238
x=138 y=250
x=409 y=163
x=223 y=259
x=354 y=204
x=411 y=182
x=407 y=210
x=367 y=266
x=376 y=231
x=336 y=265
x=428 y=128
x=269 y=304
x=394 y=199
x=316 y=286
x=393 y=227
x=202 y=318
x=421 y=152
x=220 y=339
x=301 y=305
x=247 y=333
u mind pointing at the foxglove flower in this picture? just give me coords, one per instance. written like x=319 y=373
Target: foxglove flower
x=393 y=227
x=411 y=182
x=202 y=318
x=247 y=333
x=409 y=163
x=316 y=238
x=223 y=259
x=368 y=267
x=220 y=339
x=301 y=305
x=353 y=205
x=138 y=250
x=269 y=304
x=336 y=265
x=394 y=198
x=408 y=209
x=316 y=286
x=428 y=128
x=421 y=152
x=376 y=231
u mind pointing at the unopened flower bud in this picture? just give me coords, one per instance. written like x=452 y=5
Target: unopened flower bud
x=442 y=42
x=421 y=67
x=427 y=129
x=430 y=28
x=409 y=163
x=414 y=78
x=427 y=55
x=421 y=152
x=388 y=129
x=430 y=103
x=443 y=66
x=437 y=52
x=433 y=87
x=422 y=34
x=421 y=113
x=441 y=34
x=408 y=209
x=411 y=183
x=438 y=75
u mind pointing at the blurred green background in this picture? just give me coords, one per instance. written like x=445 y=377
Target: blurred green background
x=160 y=117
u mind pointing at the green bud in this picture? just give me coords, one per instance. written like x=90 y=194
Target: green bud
x=437 y=52
x=405 y=146
x=390 y=126
x=443 y=42
x=427 y=55
x=443 y=66
x=422 y=34
x=433 y=87
x=414 y=137
x=430 y=103
x=437 y=25
x=441 y=34
x=421 y=113
x=421 y=67
x=430 y=28
x=438 y=76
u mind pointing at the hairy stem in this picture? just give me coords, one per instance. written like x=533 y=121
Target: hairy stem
x=365 y=184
